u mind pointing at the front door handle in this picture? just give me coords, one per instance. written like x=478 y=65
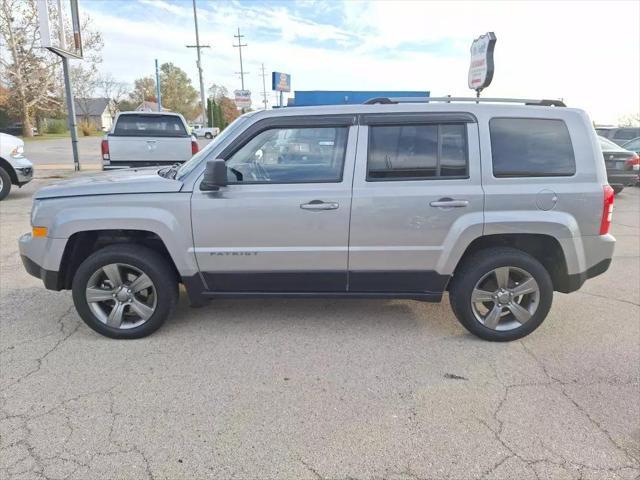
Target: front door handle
x=318 y=205
x=449 y=203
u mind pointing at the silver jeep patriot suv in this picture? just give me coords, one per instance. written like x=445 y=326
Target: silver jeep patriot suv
x=498 y=204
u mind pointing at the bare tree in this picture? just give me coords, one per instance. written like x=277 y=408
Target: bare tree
x=632 y=120
x=33 y=74
x=113 y=90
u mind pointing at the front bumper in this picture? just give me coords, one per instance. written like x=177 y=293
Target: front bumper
x=48 y=277
x=41 y=258
x=24 y=170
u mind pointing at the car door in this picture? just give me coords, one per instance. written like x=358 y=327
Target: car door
x=416 y=191
x=282 y=223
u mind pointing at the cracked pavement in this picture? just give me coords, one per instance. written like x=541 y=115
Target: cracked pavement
x=321 y=389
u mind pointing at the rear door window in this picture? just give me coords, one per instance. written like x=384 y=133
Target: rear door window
x=417 y=152
x=531 y=147
x=149 y=126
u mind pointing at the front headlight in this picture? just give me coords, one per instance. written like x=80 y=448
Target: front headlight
x=18 y=151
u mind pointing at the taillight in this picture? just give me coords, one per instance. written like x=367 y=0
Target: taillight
x=104 y=147
x=607 y=210
x=634 y=162
x=194 y=147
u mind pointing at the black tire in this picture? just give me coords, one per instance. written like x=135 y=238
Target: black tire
x=6 y=183
x=142 y=258
x=479 y=264
x=208 y=135
x=617 y=189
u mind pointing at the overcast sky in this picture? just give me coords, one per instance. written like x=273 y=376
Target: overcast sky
x=586 y=52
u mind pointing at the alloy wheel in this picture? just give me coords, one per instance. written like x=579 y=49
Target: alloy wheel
x=505 y=298
x=121 y=296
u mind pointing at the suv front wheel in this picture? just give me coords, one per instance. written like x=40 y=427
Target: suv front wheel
x=501 y=294
x=125 y=291
x=5 y=183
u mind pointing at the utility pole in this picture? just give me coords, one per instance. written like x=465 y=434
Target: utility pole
x=158 y=93
x=71 y=110
x=264 y=88
x=239 y=47
x=197 y=46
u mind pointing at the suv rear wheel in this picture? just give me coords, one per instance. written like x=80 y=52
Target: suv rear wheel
x=125 y=291
x=501 y=294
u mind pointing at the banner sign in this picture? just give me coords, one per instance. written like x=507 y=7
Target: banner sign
x=242 y=98
x=280 y=82
x=481 y=67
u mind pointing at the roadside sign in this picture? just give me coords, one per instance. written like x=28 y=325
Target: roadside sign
x=242 y=98
x=59 y=24
x=481 y=66
x=280 y=82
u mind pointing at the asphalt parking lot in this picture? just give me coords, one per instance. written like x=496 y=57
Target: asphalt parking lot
x=310 y=389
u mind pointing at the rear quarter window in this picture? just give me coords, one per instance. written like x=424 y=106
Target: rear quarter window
x=149 y=126
x=531 y=147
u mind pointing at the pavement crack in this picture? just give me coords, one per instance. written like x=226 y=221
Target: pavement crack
x=60 y=341
x=311 y=469
x=608 y=298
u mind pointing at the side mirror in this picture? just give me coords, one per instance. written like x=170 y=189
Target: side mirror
x=215 y=175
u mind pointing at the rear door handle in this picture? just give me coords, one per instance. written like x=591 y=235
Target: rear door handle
x=449 y=203
x=318 y=205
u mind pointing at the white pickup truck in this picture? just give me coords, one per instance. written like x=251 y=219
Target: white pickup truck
x=206 y=132
x=142 y=139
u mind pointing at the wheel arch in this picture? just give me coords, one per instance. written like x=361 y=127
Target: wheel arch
x=545 y=248
x=83 y=243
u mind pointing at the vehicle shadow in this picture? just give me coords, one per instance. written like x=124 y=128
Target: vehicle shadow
x=321 y=315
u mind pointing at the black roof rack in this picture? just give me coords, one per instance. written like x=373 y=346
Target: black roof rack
x=525 y=101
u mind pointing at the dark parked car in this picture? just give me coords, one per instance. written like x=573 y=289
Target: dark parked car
x=622 y=165
x=618 y=135
x=633 y=145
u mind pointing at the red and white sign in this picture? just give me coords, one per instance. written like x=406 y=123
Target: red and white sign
x=481 y=67
x=242 y=98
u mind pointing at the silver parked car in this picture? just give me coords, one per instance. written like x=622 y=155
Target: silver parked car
x=498 y=205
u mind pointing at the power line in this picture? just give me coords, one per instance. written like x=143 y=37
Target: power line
x=198 y=47
x=264 y=88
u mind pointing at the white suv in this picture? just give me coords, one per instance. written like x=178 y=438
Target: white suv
x=15 y=169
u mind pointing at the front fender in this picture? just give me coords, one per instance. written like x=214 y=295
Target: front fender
x=167 y=215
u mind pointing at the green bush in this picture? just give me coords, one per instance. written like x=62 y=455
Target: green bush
x=56 y=126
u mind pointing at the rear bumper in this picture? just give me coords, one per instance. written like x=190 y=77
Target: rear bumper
x=593 y=257
x=118 y=165
x=622 y=178
x=575 y=281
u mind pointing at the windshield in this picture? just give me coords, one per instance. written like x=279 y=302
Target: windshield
x=188 y=166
